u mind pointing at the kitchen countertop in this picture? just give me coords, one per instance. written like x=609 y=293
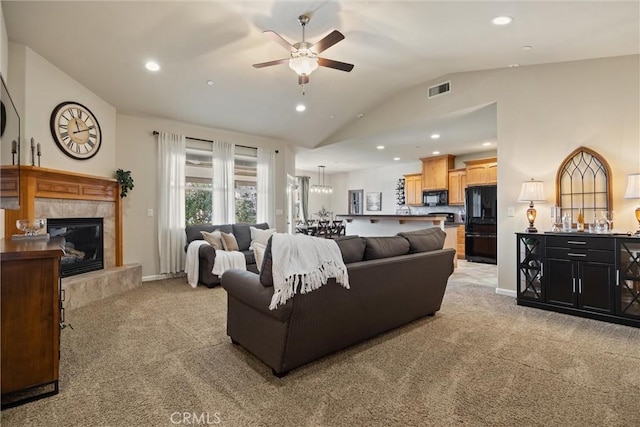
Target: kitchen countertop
x=400 y=218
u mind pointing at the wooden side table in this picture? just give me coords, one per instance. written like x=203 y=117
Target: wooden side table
x=31 y=310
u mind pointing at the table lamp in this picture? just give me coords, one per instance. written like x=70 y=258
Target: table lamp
x=633 y=192
x=531 y=191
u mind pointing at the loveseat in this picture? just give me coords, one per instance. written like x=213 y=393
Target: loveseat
x=393 y=281
x=207 y=254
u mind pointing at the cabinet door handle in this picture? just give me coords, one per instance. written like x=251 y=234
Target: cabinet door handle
x=575 y=242
x=574 y=285
x=617 y=278
x=573 y=254
x=579 y=286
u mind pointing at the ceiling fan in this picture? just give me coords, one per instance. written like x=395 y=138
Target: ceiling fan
x=304 y=55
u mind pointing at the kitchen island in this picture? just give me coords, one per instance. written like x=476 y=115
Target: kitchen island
x=389 y=225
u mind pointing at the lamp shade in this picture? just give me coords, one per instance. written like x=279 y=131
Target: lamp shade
x=532 y=191
x=633 y=186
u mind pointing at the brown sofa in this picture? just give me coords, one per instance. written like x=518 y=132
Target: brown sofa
x=391 y=284
x=207 y=254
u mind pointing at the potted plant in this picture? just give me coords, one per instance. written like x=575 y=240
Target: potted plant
x=126 y=182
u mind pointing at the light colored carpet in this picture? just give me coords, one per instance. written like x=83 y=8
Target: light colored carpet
x=161 y=349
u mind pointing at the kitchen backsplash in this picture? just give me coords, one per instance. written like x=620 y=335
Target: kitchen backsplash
x=423 y=210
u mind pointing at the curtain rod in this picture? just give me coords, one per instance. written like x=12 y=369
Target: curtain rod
x=155 y=132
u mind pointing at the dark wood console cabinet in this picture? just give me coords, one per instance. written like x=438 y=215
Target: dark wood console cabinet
x=588 y=275
x=30 y=314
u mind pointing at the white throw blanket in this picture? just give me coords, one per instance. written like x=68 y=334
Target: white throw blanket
x=228 y=259
x=223 y=262
x=192 y=263
x=304 y=263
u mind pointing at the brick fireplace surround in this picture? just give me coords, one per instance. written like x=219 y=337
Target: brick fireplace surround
x=49 y=193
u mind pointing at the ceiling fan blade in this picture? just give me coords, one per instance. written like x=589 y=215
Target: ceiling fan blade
x=342 y=66
x=329 y=40
x=303 y=80
x=278 y=39
x=270 y=63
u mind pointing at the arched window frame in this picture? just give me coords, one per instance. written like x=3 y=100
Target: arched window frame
x=593 y=176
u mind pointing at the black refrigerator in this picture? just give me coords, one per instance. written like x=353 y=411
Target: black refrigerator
x=481 y=223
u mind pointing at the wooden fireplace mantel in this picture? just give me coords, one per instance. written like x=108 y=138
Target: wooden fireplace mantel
x=37 y=182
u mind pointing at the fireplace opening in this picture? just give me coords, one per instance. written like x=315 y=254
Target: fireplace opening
x=81 y=240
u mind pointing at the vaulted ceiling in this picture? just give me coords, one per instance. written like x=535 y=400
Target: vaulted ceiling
x=394 y=45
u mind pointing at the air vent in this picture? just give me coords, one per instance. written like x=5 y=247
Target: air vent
x=439 y=89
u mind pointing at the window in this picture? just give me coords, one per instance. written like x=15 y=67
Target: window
x=583 y=183
x=198 y=191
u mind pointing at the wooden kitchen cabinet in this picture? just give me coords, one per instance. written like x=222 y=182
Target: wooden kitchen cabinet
x=435 y=172
x=460 y=245
x=413 y=189
x=482 y=171
x=457 y=184
x=30 y=304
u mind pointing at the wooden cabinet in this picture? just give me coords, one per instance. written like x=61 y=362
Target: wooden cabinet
x=413 y=189
x=460 y=244
x=435 y=172
x=482 y=171
x=457 y=184
x=30 y=314
x=580 y=272
x=588 y=275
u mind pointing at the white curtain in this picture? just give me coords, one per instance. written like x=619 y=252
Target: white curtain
x=265 y=211
x=171 y=204
x=224 y=197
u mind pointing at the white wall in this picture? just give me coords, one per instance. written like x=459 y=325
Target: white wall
x=544 y=113
x=42 y=88
x=4 y=45
x=137 y=151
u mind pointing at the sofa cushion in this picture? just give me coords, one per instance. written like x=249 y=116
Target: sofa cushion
x=229 y=242
x=428 y=239
x=242 y=233
x=193 y=231
x=260 y=236
x=214 y=239
x=258 y=254
x=385 y=247
x=351 y=247
x=249 y=257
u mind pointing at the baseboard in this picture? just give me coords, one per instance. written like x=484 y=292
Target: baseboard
x=161 y=276
x=507 y=292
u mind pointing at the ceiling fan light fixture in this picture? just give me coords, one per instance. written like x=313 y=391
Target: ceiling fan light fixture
x=303 y=62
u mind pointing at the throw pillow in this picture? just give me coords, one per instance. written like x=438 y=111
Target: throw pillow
x=385 y=247
x=425 y=240
x=214 y=239
x=260 y=236
x=229 y=242
x=258 y=254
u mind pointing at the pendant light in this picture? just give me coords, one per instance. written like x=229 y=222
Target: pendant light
x=320 y=187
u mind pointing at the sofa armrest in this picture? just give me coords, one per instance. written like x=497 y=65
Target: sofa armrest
x=207 y=253
x=246 y=287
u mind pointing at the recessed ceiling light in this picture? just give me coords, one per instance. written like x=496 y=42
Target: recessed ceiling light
x=527 y=47
x=359 y=116
x=380 y=147
x=502 y=20
x=152 y=66
x=210 y=82
x=514 y=65
x=486 y=144
x=435 y=136
x=332 y=116
x=300 y=107
x=396 y=158
x=435 y=153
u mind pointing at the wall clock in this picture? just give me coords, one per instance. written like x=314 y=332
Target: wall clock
x=76 y=130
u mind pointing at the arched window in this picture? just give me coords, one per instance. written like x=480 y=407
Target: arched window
x=583 y=182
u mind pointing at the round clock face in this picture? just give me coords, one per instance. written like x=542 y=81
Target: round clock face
x=76 y=130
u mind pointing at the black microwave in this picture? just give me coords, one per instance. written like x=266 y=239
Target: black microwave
x=435 y=198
